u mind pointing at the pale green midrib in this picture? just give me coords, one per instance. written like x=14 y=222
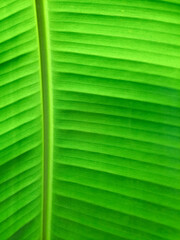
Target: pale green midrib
x=46 y=83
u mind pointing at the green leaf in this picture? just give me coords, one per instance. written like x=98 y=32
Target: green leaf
x=90 y=120
x=20 y=123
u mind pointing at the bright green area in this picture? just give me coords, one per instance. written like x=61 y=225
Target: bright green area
x=90 y=120
x=20 y=123
x=116 y=91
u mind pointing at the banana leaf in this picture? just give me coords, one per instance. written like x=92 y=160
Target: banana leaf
x=90 y=120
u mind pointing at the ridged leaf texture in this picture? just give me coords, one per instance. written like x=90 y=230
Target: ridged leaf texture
x=90 y=120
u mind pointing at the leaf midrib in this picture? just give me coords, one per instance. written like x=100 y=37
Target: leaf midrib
x=45 y=72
